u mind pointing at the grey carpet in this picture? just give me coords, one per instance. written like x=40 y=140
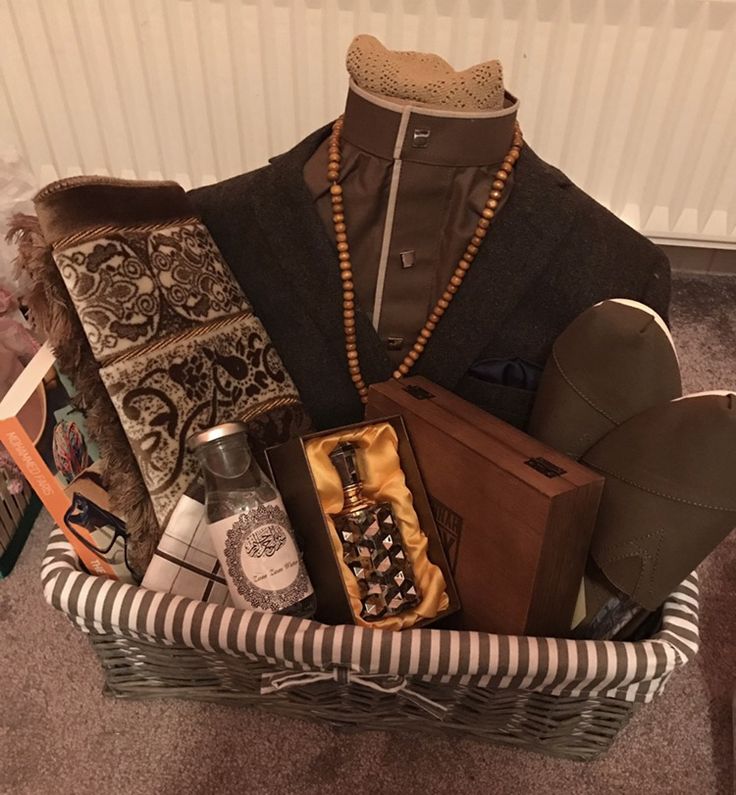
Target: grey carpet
x=59 y=734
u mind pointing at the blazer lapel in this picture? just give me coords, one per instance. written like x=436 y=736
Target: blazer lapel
x=309 y=263
x=516 y=250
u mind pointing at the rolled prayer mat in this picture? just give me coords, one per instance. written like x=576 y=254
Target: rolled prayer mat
x=148 y=321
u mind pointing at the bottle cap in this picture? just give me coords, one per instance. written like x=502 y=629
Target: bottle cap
x=344 y=459
x=214 y=433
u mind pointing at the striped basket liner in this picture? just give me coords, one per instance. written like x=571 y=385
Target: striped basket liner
x=629 y=672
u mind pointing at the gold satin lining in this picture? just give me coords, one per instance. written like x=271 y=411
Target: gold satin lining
x=383 y=481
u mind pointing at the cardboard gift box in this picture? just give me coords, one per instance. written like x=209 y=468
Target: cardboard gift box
x=46 y=435
x=293 y=476
x=515 y=516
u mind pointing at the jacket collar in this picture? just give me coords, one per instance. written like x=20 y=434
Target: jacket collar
x=310 y=263
x=513 y=256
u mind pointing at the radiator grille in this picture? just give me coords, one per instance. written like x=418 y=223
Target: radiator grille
x=634 y=99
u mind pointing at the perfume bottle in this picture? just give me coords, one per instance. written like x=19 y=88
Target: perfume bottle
x=371 y=543
x=249 y=527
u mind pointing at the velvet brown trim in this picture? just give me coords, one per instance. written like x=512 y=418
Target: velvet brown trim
x=94 y=232
x=52 y=313
x=70 y=206
x=166 y=342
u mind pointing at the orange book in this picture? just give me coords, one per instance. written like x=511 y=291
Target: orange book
x=39 y=431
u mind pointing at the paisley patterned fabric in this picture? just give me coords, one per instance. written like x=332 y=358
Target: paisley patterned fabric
x=225 y=371
x=161 y=339
x=134 y=287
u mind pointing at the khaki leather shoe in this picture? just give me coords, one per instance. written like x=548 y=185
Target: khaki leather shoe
x=669 y=497
x=612 y=362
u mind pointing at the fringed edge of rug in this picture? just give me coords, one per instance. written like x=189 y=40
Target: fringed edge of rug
x=52 y=313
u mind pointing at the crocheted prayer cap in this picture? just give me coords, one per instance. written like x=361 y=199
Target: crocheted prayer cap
x=424 y=77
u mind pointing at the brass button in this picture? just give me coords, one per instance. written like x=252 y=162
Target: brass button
x=394 y=343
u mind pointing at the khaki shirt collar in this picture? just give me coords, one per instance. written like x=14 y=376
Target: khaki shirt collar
x=396 y=129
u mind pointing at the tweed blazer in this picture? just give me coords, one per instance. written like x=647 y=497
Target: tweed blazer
x=549 y=255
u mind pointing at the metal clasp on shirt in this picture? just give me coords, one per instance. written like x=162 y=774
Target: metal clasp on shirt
x=420 y=138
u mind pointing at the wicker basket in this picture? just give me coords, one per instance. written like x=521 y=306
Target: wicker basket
x=562 y=697
x=17 y=515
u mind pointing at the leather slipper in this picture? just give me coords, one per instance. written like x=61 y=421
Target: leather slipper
x=612 y=362
x=669 y=497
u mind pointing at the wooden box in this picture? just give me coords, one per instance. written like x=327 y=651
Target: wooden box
x=291 y=472
x=515 y=516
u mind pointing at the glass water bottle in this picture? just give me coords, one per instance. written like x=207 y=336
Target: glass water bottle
x=249 y=527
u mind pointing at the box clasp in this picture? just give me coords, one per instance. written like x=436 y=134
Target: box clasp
x=547 y=468
x=418 y=392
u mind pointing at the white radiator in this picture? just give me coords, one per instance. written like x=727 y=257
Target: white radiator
x=634 y=99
